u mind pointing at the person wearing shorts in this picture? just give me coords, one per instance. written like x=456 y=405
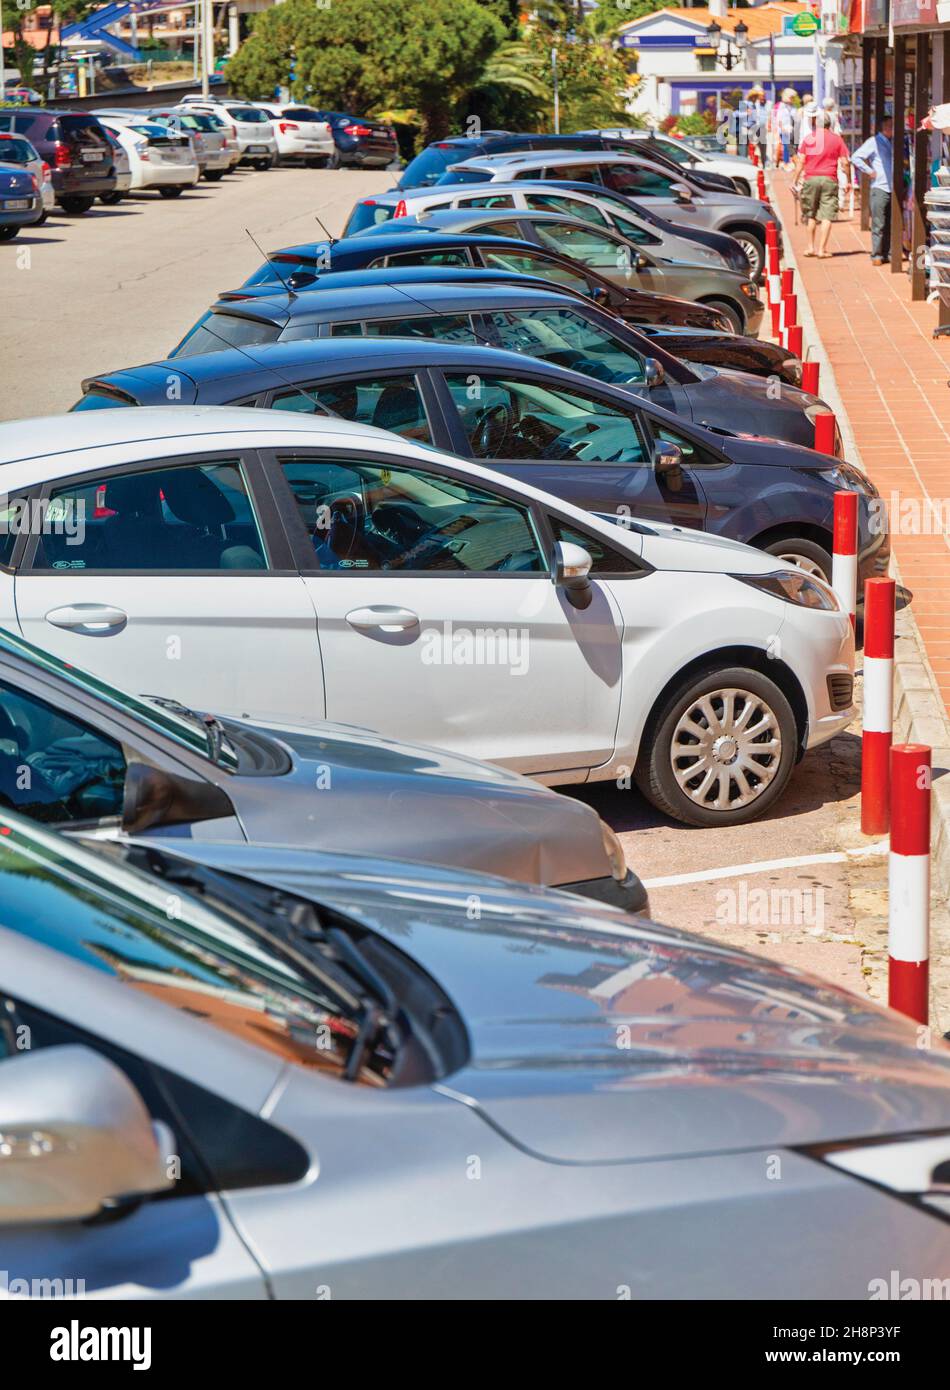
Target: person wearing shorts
x=820 y=155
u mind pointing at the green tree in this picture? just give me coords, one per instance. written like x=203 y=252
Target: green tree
x=350 y=55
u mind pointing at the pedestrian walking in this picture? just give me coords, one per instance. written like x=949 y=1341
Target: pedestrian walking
x=785 y=126
x=875 y=159
x=820 y=155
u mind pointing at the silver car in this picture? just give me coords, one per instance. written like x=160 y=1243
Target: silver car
x=207 y=134
x=657 y=187
x=78 y=753
x=357 y=1079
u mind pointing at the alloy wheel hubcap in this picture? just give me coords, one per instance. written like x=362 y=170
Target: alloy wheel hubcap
x=726 y=749
x=804 y=562
x=753 y=253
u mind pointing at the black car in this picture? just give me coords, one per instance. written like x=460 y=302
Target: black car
x=361 y=141
x=462 y=250
x=75 y=147
x=542 y=324
x=593 y=443
x=713 y=346
x=431 y=163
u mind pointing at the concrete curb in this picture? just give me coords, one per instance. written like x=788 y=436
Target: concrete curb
x=919 y=712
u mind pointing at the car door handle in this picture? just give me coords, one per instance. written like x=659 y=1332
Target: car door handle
x=91 y=619
x=383 y=616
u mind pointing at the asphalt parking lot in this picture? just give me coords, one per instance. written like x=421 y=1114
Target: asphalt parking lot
x=121 y=285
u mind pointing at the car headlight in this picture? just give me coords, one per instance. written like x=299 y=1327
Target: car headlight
x=749 y=290
x=914 y=1169
x=614 y=852
x=849 y=479
x=794 y=586
x=792 y=367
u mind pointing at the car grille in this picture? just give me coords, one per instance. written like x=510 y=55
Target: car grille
x=840 y=690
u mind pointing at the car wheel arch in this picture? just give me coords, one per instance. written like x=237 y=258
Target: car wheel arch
x=808 y=531
x=756 y=659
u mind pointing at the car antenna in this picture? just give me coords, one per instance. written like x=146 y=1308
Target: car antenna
x=267 y=367
x=291 y=292
x=323 y=227
x=479 y=338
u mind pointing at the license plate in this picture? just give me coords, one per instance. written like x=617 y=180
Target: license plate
x=15 y=204
x=91 y=156
x=257 y=149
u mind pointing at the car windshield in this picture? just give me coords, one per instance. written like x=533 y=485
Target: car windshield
x=461 y=176
x=183 y=726
x=215 y=331
x=277 y=269
x=368 y=213
x=210 y=960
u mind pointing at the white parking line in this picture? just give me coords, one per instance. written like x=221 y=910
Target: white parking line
x=767 y=865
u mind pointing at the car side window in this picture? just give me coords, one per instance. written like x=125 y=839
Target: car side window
x=55 y=768
x=567 y=206
x=219 y=1145
x=577 y=173
x=527 y=263
x=424 y=258
x=627 y=178
x=606 y=559
x=567 y=339
x=485 y=200
x=510 y=229
x=388 y=402
x=526 y=420
x=582 y=243
x=371 y=516
x=632 y=231
x=179 y=518
x=450 y=328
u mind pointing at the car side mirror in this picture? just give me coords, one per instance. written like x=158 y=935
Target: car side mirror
x=599 y=294
x=155 y=797
x=654 y=373
x=76 y=1138
x=684 y=194
x=667 y=457
x=571 y=572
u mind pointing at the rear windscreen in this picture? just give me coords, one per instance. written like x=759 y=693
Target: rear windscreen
x=428 y=167
x=97 y=400
x=368 y=214
x=248 y=113
x=278 y=272
x=217 y=331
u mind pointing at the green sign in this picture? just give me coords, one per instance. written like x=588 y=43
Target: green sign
x=804 y=25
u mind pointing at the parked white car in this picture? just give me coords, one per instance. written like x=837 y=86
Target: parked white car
x=159 y=158
x=16 y=150
x=253 y=130
x=215 y=150
x=250 y=562
x=300 y=131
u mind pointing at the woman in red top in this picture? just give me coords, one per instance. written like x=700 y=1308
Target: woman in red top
x=819 y=157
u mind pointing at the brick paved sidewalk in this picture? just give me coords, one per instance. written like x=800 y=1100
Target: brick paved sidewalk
x=893 y=377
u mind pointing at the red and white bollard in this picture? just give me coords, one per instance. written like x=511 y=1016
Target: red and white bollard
x=825 y=436
x=908 y=882
x=789 y=316
x=844 y=559
x=877 y=724
x=761 y=187
x=771 y=234
x=793 y=339
x=774 y=277
x=775 y=309
x=788 y=281
x=810 y=372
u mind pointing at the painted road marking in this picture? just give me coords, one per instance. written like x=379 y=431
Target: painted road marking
x=768 y=865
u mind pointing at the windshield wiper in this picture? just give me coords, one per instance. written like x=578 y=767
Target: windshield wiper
x=210 y=724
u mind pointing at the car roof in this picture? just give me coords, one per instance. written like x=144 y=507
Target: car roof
x=445 y=217
x=542 y=157
x=94 y=430
x=366 y=299
x=465 y=190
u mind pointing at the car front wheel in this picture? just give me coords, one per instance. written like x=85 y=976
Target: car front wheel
x=173 y=190
x=76 y=205
x=722 y=748
x=807 y=555
x=8 y=233
x=754 y=250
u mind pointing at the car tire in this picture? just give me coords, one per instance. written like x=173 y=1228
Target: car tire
x=8 y=233
x=75 y=205
x=699 y=702
x=263 y=164
x=41 y=219
x=754 y=249
x=810 y=556
x=742 y=186
x=110 y=199
x=172 y=190
x=728 y=311
x=213 y=175
x=317 y=161
x=333 y=160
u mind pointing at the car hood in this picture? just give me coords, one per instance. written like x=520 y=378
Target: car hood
x=669 y=547
x=597 y=1037
x=349 y=787
x=740 y=402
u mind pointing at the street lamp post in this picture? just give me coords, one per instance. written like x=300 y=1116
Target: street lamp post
x=735 y=44
x=557 y=108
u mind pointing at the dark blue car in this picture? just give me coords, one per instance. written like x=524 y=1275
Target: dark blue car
x=594 y=444
x=21 y=204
